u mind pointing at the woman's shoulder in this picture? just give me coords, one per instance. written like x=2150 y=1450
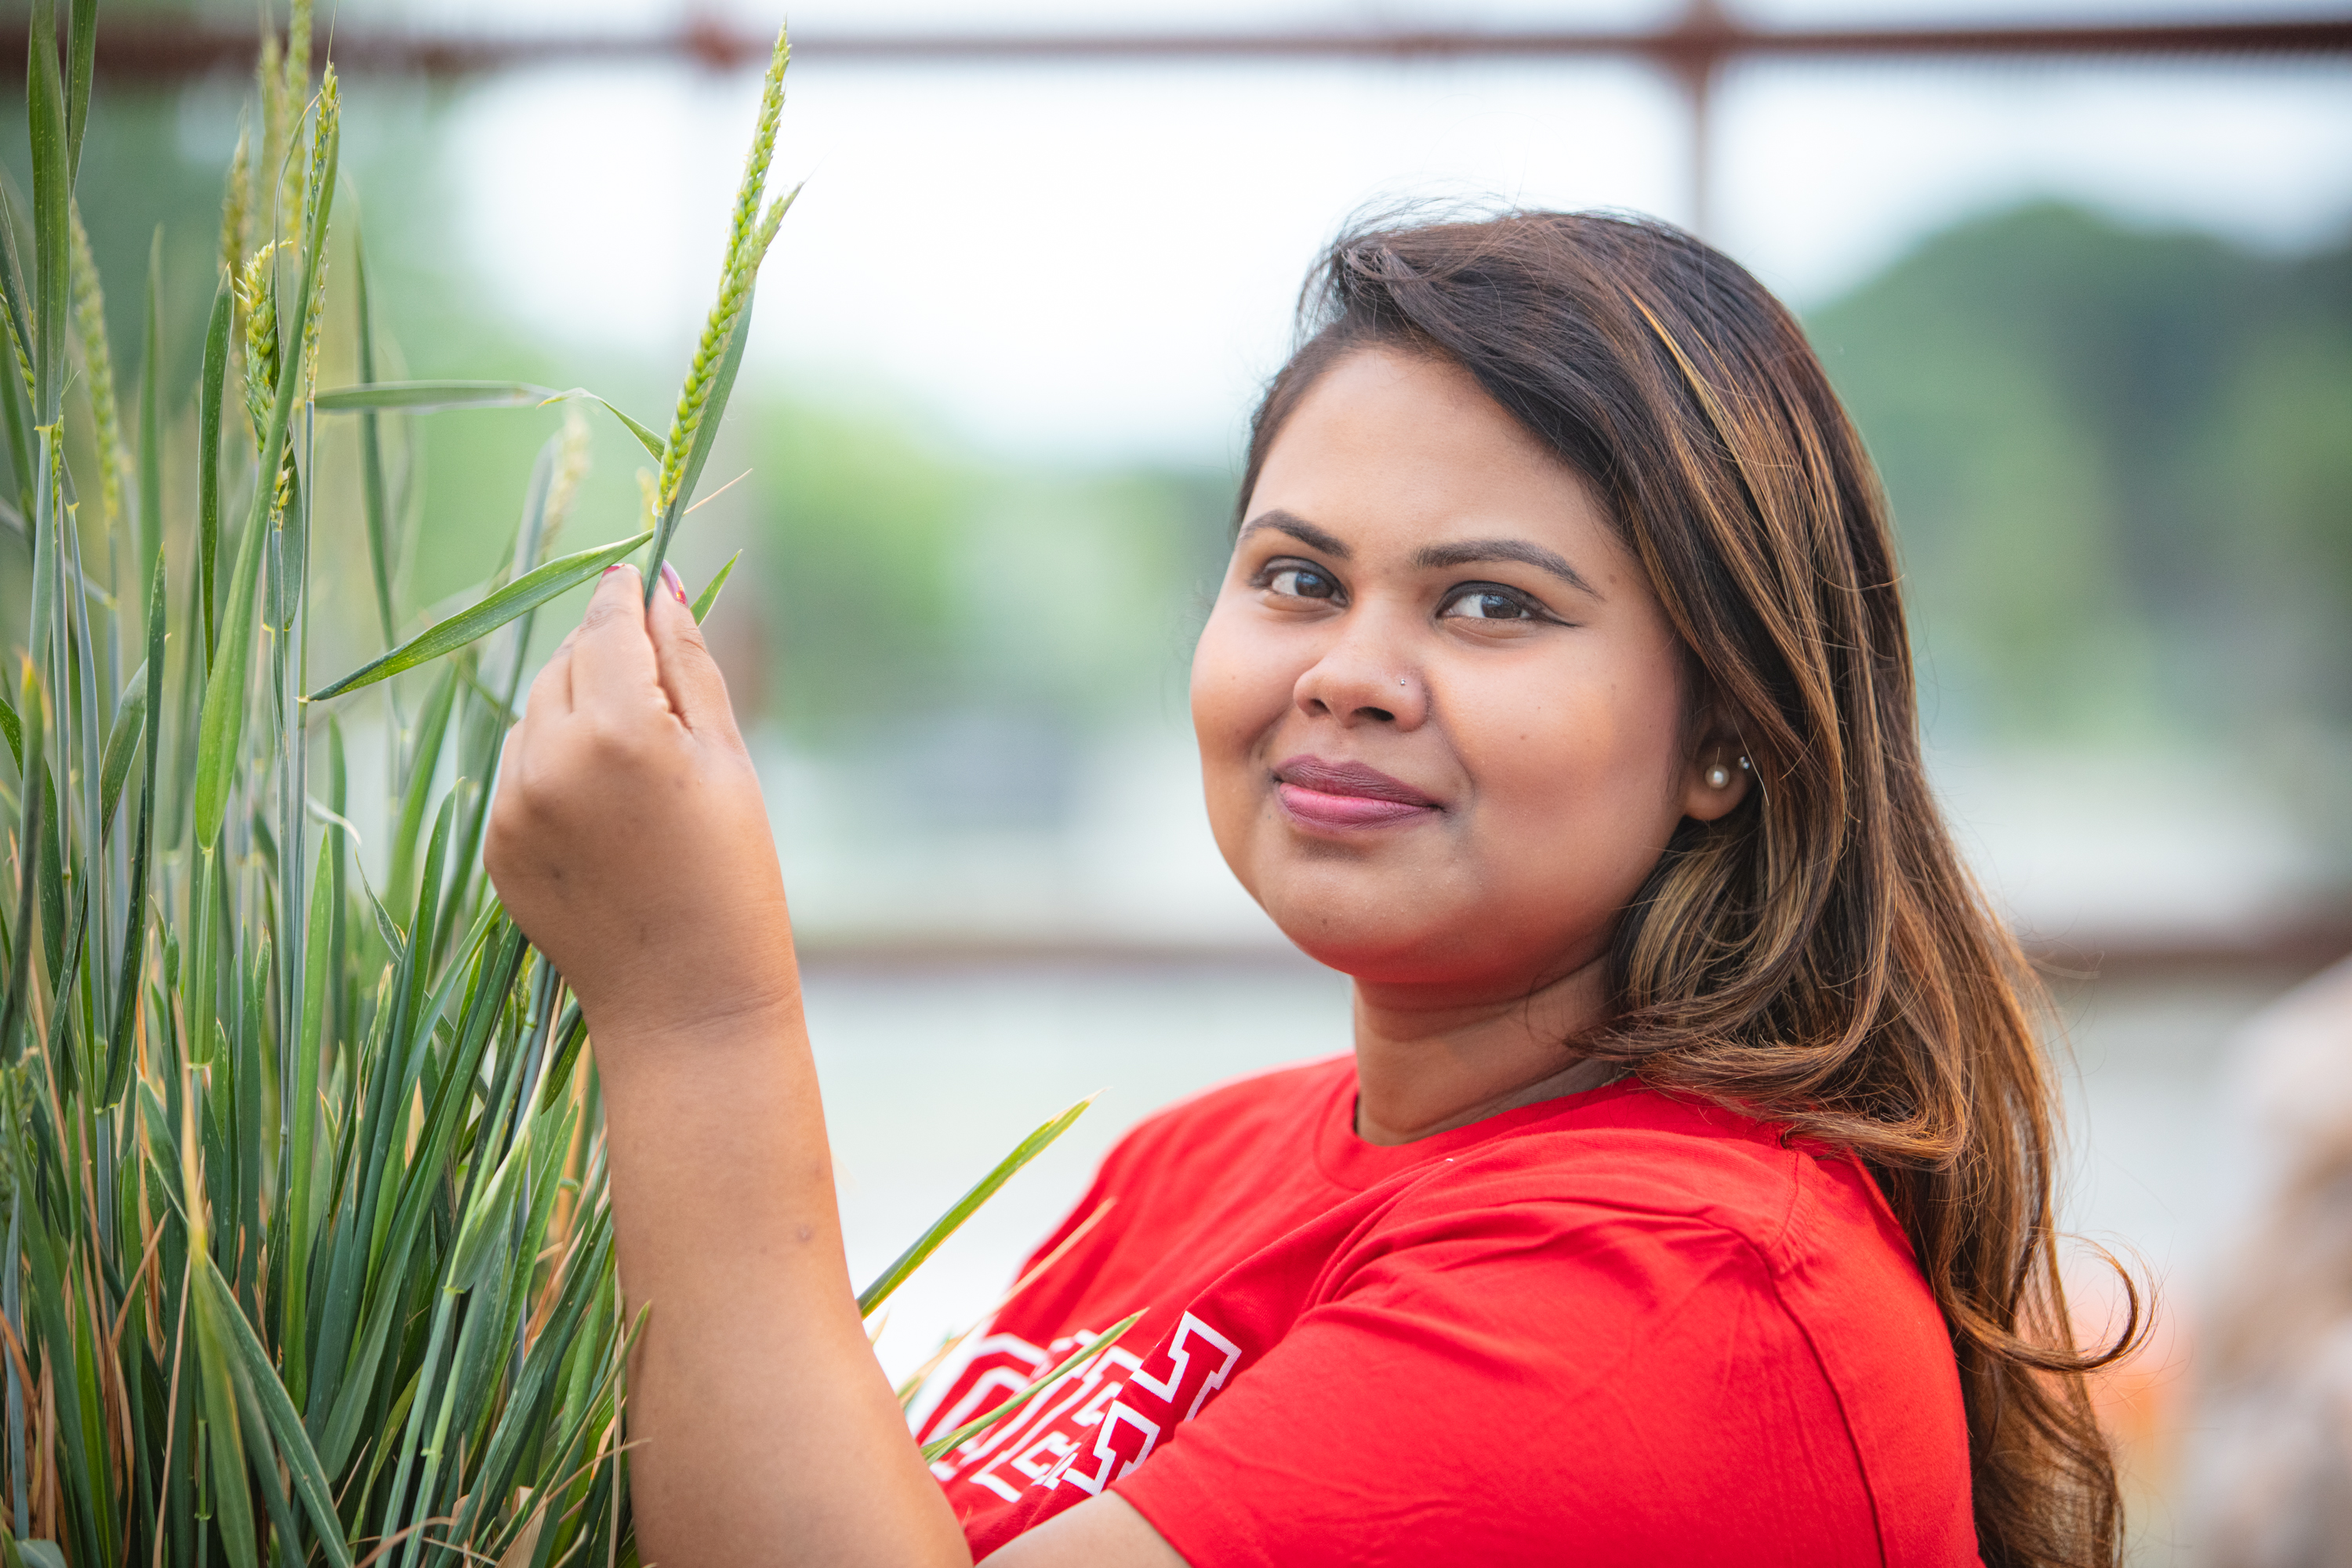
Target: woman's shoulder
x=1637 y=1150
x=1676 y=1185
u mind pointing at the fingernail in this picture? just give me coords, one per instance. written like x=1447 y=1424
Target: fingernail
x=670 y=576
x=615 y=567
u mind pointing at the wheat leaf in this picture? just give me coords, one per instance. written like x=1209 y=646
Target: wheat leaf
x=948 y=1224
x=432 y=396
x=524 y=595
x=278 y=1410
x=52 y=190
x=709 y=596
x=371 y=487
x=122 y=744
x=646 y=439
x=1086 y=1352
x=208 y=454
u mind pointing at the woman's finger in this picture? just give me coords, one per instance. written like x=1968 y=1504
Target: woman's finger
x=613 y=667
x=689 y=676
x=550 y=689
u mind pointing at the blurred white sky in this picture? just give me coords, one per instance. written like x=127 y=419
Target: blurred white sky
x=1099 y=260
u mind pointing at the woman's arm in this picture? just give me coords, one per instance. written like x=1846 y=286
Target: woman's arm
x=629 y=841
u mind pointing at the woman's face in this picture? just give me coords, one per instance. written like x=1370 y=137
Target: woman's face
x=1442 y=720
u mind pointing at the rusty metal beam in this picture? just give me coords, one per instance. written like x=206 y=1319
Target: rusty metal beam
x=165 y=49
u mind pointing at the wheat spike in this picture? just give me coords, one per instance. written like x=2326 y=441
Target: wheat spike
x=256 y=293
x=24 y=360
x=270 y=156
x=257 y=300
x=298 y=51
x=563 y=486
x=236 y=204
x=330 y=113
x=296 y=177
x=746 y=241
x=89 y=326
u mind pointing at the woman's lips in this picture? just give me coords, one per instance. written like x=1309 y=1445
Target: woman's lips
x=1348 y=795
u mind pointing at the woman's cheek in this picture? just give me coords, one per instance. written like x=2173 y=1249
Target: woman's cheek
x=1570 y=800
x=1238 y=695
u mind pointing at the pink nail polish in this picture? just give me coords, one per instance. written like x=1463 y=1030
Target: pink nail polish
x=670 y=576
x=615 y=567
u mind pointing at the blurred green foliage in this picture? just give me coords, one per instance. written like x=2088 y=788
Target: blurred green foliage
x=2120 y=463
x=2121 y=466
x=898 y=578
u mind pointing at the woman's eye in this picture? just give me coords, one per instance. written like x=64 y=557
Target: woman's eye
x=1301 y=582
x=1487 y=604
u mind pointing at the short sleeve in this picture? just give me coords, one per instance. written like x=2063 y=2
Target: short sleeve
x=1543 y=1382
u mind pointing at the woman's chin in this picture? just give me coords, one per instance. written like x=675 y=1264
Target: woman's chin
x=1375 y=953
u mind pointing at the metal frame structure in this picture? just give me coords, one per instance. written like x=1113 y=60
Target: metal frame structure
x=1693 y=51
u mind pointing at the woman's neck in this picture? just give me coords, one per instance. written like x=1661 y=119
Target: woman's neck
x=1427 y=1062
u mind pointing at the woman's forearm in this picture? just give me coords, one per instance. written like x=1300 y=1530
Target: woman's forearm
x=762 y=1430
x=629 y=840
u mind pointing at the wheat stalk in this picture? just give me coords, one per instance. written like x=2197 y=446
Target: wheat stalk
x=321 y=1243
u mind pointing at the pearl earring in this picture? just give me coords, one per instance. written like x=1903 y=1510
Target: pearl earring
x=1718 y=777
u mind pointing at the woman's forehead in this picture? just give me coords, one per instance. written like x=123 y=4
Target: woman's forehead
x=1404 y=457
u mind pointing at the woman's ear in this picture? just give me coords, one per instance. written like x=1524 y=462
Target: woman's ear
x=1717 y=775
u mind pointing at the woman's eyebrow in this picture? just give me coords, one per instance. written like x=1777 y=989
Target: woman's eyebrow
x=1299 y=529
x=1468 y=552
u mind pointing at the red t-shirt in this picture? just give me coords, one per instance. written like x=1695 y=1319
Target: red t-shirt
x=1614 y=1328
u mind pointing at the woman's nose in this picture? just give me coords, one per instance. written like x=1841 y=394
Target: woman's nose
x=1363 y=679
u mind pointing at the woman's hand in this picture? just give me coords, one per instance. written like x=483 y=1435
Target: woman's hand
x=628 y=839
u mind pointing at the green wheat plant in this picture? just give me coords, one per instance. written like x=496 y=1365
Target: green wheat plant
x=307 y=1254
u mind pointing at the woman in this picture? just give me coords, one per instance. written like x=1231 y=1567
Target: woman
x=1687 y=1197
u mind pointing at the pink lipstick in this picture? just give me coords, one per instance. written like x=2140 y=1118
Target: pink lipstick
x=1331 y=795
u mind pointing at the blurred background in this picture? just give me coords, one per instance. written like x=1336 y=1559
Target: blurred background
x=2084 y=277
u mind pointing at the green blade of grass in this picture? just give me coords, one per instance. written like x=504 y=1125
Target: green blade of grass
x=151 y=412
x=525 y=594
x=134 y=915
x=285 y=1424
x=432 y=396
x=51 y=1308
x=446 y=396
x=372 y=488
x=232 y=1497
x=81 y=55
x=52 y=189
x=1085 y=1354
x=33 y=705
x=122 y=744
x=220 y=727
x=646 y=439
x=709 y=596
x=208 y=453
x=948 y=1224
x=308 y=1047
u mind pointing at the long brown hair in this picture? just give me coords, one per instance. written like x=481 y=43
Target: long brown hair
x=1819 y=957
